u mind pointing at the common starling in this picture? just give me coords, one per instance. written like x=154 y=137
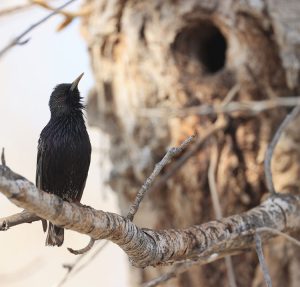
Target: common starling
x=64 y=152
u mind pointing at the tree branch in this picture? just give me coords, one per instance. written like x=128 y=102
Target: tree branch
x=18 y=40
x=262 y=261
x=286 y=236
x=252 y=107
x=272 y=145
x=220 y=124
x=172 y=152
x=149 y=247
x=16 y=219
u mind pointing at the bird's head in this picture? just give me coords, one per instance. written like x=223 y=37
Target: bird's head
x=65 y=98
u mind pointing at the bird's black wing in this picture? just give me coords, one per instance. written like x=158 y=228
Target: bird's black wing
x=82 y=167
x=39 y=175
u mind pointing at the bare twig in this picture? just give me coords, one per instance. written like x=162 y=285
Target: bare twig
x=176 y=270
x=45 y=5
x=277 y=232
x=3 y=162
x=172 y=152
x=218 y=125
x=16 y=219
x=230 y=271
x=221 y=123
x=271 y=147
x=230 y=95
x=17 y=40
x=69 y=16
x=253 y=107
x=72 y=270
x=261 y=259
x=83 y=250
x=217 y=207
x=212 y=181
x=93 y=256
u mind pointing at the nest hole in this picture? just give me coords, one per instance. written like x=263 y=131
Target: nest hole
x=202 y=45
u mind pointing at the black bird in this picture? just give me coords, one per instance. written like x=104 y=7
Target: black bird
x=64 y=152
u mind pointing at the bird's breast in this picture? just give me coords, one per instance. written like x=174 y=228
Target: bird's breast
x=66 y=137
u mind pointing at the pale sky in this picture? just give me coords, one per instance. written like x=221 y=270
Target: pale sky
x=27 y=75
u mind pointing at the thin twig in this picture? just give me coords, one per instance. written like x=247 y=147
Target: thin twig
x=271 y=147
x=176 y=270
x=277 y=232
x=72 y=270
x=230 y=95
x=96 y=253
x=261 y=259
x=85 y=249
x=67 y=14
x=172 y=152
x=17 y=40
x=230 y=271
x=217 y=207
x=218 y=125
x=253 y=107
x=212 y=181
x=3 y=161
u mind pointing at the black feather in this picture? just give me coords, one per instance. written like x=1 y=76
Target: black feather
x=64 y=152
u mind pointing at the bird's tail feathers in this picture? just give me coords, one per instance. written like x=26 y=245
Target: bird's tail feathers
x=55 y=235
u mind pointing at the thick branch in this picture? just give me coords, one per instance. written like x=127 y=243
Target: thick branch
x=149 y=247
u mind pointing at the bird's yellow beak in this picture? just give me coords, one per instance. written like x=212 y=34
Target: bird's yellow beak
x=76 y=82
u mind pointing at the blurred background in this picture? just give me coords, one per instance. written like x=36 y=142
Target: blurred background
x=156 y=64
x=27 y=75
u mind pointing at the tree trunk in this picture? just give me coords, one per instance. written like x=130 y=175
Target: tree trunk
x=150 y=58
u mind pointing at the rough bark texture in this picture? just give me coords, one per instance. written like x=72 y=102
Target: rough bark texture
x=177 y=54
